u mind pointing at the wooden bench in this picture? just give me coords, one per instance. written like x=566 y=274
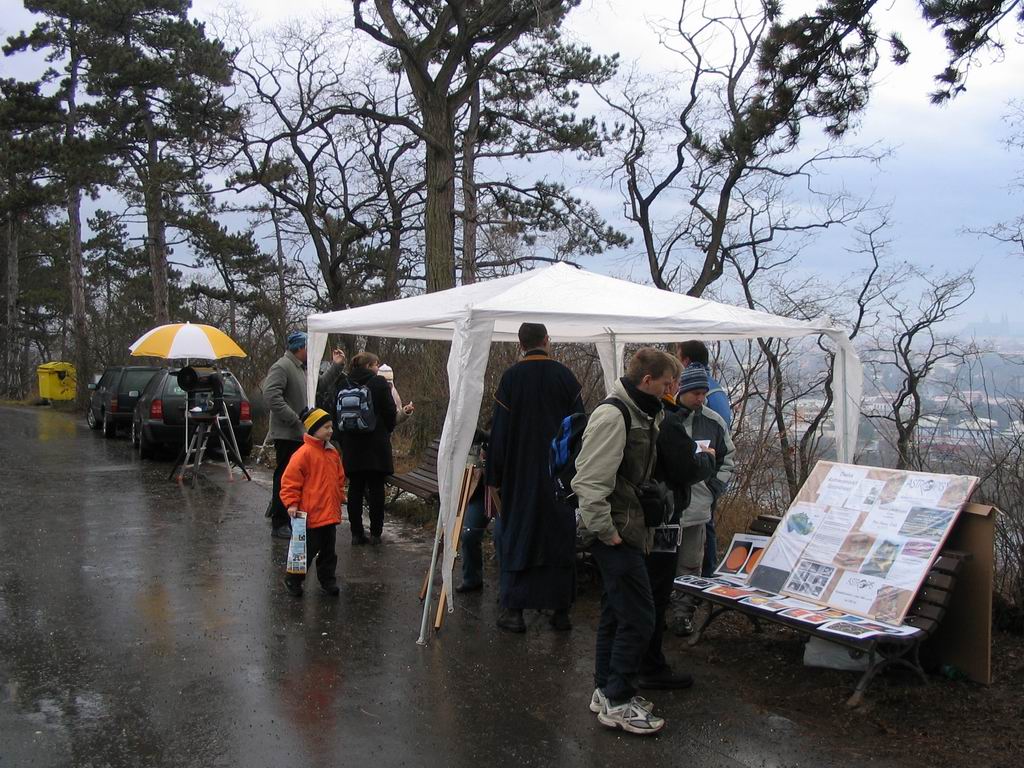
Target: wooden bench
x=421 y=481
x=926 y=611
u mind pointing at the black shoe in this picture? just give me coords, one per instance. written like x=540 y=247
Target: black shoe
x=463 y=588
x=560 y=621
x=375 y=540
x=293 y=587
x=683 y=627
x=331 y=589
x=358 y=539
x=665 y=680
x=282 y=532
x=511 y=621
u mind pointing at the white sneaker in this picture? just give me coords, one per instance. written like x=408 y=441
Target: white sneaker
x=631 y=718
x=599 y=702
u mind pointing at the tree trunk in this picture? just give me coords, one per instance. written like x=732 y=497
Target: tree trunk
x=76 y=282
x=280 y=321
x=76 y=269
x=11 y=296
x=779 y=412
x=440 y=207
x=469 y=191
x=156 y=233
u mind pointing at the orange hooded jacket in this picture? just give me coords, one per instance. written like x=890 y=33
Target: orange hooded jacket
x=314 y=481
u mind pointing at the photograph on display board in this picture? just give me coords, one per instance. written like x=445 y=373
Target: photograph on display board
x=742 y=557
x=881 y=558
x=854 y=550
x=767 y=603
x=861 y=539
x=733 y=593
x=697 y=582
x=809 y=579
x=806 y=616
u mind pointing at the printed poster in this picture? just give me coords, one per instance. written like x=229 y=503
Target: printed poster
x=809 y=580
x=860 y=539
x=297 y=545
x=855 y=592
x=840 y=483
x=742 y=557
x=787 y=546
x=766 y=603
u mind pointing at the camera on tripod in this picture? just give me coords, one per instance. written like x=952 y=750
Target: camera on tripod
x=204 y=390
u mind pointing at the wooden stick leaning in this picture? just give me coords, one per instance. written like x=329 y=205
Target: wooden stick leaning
x=464 y=495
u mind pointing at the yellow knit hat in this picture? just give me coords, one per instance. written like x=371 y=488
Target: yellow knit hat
x=315 y=418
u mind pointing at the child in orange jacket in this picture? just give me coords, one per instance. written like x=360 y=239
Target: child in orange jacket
x=314 y=483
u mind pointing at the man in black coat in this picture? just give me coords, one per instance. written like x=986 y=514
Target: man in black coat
x=681 y=463
x=535 y=535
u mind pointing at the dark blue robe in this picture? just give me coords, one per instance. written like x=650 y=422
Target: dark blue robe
x=535 y=535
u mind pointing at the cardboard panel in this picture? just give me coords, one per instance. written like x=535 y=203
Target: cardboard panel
x=964 y=637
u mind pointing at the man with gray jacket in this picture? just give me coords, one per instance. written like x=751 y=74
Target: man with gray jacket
x=616 y=459
x=706 y=428
x=285 y=391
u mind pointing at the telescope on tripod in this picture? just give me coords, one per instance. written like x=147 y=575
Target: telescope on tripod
x=206 y=417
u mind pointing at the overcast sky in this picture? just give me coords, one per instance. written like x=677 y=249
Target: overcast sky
x=950 y=170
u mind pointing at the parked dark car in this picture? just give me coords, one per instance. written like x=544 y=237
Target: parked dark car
x=159 y=417
x=114 y=396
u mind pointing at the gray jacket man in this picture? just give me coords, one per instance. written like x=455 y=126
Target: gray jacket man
x=285 y=391
x=612 y=466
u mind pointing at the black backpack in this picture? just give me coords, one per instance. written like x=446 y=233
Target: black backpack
x=565 y=447
x=354 y=408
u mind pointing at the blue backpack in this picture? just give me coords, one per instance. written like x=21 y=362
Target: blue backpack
x=354 y=408
x=565 y=447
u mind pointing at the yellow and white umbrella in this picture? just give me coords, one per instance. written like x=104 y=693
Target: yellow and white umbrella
x=185 y=340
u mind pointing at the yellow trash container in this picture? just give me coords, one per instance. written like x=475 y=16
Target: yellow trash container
x=57 y=381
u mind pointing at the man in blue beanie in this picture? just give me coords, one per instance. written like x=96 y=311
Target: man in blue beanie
x=717 y=400
x=285 y=390
x=707 y=429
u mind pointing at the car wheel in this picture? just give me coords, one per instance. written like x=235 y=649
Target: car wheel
x=109 y=427
x=146 y=448
x=90 y=418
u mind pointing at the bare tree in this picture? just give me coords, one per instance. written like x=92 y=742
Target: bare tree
x=349 y=179
x=694 y=172
x=909 y=346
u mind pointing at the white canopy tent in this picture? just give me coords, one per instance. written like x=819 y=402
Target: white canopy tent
x=576 y=306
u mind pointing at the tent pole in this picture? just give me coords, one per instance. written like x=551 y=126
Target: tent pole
x=430 y=581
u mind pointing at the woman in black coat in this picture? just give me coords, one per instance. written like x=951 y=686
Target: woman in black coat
x=367 y=455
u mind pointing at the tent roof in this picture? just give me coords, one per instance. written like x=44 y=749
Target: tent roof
x=574 y=304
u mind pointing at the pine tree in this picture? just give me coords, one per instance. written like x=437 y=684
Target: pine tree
x=157 y=82
x=444 y=48
x=81 y=163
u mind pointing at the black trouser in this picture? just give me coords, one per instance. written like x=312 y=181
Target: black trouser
x=370 y=485
x=283 y=449
x=627 y=619
x=661 y=570
x=319 y=545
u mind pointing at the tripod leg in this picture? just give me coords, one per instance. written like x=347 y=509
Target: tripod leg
x=237 y=456
x=225 y=451
x=204 y=430
x=188 y=451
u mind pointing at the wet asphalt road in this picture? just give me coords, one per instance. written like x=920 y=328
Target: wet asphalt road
x=144 y=624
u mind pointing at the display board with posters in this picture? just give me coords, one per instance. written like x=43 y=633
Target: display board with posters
x=861 y=539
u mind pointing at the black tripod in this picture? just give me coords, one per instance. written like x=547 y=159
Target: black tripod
x=205 y=424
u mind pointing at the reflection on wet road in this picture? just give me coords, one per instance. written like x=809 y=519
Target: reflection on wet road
x=144 y=624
